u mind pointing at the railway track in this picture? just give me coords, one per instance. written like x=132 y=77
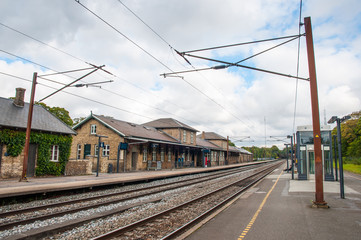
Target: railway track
x=64 y=208
x=172 y=222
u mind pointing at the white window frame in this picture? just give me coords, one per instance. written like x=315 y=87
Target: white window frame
x=192 y=138
x=154 y=154
x=106 y=151
x=162 y=153
x=169 y=155
x=145 y=154
x=184 y=135
x=54 y=153
x=78 y=152
x=93 y=129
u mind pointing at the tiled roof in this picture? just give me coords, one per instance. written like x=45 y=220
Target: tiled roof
x=244 y=151
x=135 y=130
x=17 y=117
x=163 y=123
x=234 y=149
x=212 y=136
x=207 y=144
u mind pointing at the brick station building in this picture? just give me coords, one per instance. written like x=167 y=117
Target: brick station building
x=160 y=144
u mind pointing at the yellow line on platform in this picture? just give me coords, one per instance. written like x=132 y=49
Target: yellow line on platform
x=248 y=228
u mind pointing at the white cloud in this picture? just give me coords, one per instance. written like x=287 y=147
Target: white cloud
x=231 y=101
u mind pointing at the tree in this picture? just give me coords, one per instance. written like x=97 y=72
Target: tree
x=231 y=143
x=78 y=120
x=351 y=135
x=60 y=113
x=354 y=147
x=275 y=152
x=272 y=152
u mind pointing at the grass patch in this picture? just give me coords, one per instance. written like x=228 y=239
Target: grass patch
x=352 y=168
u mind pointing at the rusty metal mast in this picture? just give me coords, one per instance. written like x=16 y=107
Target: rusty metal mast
x=319 y=201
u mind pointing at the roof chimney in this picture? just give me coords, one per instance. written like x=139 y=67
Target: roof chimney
x=19 y=98
x=203 y=137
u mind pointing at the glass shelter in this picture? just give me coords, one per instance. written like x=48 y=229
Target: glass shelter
x=306 y=155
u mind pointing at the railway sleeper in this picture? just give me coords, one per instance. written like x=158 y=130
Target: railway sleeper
x=61 y=227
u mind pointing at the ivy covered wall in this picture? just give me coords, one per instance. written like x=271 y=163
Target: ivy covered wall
x=15 y=142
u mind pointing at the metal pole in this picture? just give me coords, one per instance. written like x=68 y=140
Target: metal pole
x=125 y=160
x=28 y=129
x=335 y=146
x=98 y=156
x=118 y=156
x=315 y=115
x=293 y=165
x=342 y=190
x=287 y=159
x=227 y=151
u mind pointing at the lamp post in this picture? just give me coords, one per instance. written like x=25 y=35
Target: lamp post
x=334 y=144
x=287 y=157
x=339 y=121
x=292 y=163
x=99 y=146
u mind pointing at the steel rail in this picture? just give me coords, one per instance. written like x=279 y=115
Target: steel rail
x=117 y=232
x=173 y=185
x=49 y=230
x=196 y=220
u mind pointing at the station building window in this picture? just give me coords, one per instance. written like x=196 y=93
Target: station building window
x=96 y=150
x=154 y=154
x=106 y=150
x=78 y=151
x=93 y=129
x=54 y=153
x=162 y=154
x=145 y=154
x=169 y=155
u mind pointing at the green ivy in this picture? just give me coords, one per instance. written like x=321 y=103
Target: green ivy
x=15 y=142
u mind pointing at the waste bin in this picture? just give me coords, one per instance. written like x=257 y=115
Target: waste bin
x=110 y=168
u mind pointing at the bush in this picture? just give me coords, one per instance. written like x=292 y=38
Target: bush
x=352 y=160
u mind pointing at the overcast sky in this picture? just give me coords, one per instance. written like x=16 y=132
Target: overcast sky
x=136 y=41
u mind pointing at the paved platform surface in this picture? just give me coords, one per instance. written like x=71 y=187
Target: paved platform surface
x=12 y=187
x=280 y=208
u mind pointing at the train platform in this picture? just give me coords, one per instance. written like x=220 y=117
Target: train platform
x=281 y=208
x=43 y=185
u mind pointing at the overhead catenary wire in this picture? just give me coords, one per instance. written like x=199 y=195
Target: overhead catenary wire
x=82 y=97
x=173 y=49
x=233 y=64
x=239 y=44
x=73 y=56
x=218 y=67
x=109 y=91
x=64 y=73
x=298 y=67
x=156 y=59
x=37 y=40
x=146 y=24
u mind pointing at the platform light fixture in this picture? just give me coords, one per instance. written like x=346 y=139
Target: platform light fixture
x=292 y=162
x=339 y=121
